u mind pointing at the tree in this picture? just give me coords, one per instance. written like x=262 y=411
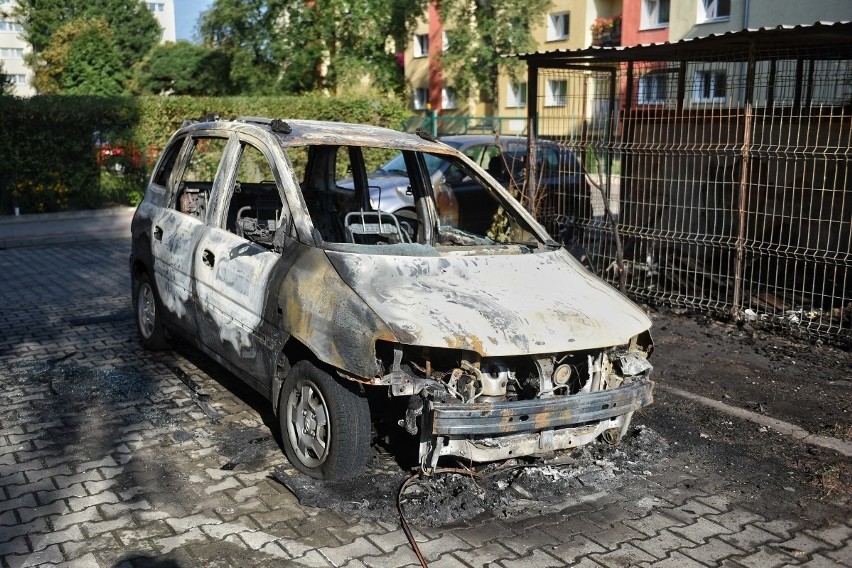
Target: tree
x=81 y=59
x=183 y=68
x=305 y=45
x=6 y=84
x=134 y=30
x=479 y=32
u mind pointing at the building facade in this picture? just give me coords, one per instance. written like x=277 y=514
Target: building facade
x=577 y=24
x=13 y=47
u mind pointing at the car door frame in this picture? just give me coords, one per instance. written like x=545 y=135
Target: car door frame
x=240 y=323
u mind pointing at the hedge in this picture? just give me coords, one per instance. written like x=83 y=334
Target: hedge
x=49 y=144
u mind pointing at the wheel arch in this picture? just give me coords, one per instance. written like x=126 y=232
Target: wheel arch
x=293 y=352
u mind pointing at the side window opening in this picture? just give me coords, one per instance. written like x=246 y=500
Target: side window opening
x=163 y=174
x=197 y=180
x=255 y=210
x=352 y=199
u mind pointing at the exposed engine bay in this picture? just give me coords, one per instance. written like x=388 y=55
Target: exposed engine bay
x=490 y=408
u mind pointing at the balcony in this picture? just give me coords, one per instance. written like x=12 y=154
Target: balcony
x=606 y=32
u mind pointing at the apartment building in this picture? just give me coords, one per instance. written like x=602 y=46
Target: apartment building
x=569 y=24
x=565 y=26
x=720 y=83
x=13 y=48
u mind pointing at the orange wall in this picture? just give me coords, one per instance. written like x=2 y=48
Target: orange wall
x=631 y=22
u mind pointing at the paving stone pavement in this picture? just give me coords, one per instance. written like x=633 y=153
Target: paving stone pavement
x=109 y=459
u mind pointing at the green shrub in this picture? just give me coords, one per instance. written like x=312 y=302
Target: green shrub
x=52 y=147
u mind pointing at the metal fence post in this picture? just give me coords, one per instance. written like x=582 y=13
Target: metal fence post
x=745 y=177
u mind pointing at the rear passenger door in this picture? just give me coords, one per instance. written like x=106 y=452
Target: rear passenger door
x=178 y=227
x=235 y=264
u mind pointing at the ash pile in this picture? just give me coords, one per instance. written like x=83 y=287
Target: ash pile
x=456 y=494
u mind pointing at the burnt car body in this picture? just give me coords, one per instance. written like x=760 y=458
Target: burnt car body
x=248 y=244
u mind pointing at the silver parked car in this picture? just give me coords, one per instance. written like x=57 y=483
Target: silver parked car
x=560 y=180
x=260 y=241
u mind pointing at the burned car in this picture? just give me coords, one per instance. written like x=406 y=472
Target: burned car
x=498 y=341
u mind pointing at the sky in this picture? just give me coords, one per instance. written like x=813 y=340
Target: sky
x=186 y=16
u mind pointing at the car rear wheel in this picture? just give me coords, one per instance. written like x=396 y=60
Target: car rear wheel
x=325 y=423
x=149 y=322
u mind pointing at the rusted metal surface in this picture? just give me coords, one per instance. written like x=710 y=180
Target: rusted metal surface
x=539 y=414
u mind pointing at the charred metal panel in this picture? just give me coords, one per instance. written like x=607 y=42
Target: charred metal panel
x=174 y=237
x=495 y=305
x=323 y=312
x=539 y=414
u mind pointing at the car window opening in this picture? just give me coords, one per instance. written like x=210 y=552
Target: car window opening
x=354 y=200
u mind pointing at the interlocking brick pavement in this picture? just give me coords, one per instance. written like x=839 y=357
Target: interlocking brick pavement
x=107 y=460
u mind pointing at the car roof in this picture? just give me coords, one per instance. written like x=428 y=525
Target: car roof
x=296 y=132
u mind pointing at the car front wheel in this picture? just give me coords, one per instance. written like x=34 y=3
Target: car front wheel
x=325 y=423
x=149 y=323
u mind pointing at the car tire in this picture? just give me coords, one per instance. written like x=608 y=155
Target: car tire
x=325 y=423
x=148 y=314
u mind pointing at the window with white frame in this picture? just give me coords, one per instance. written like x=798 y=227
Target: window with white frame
x=11 y=27
x=18 y=79
x=555 y=92
x=557 y=26
x=714 y=10
x=655 y=13
x=421 y=98
x=156 y=6
x=516 y=95
x=710 y=86
x=421 y=45
x=12 y=52
x=448 y=98
x=653 y=88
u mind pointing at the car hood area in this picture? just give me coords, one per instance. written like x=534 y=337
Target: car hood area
x=493 y=304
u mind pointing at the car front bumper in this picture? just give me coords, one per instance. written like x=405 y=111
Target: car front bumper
x=494 y=431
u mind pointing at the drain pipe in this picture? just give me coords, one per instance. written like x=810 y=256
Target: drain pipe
x=745 y=14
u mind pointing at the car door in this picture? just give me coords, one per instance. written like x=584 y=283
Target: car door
x=176 y=228
x=236 y=265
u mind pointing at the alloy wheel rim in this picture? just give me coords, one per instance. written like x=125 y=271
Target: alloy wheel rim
x=146 y=311
x=307 y=424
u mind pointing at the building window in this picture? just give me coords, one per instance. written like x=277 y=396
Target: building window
x=421 y=98
x=555 y=93
x=710 y=86
x=655 y=13
x=19 y=79
x=557 y=26
x=714 y=10
x=156 y=6
x=448 y=98
x=653 y=88
x=11 y=27
x=421 y=45
x=12 y=52
x=516 y=95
